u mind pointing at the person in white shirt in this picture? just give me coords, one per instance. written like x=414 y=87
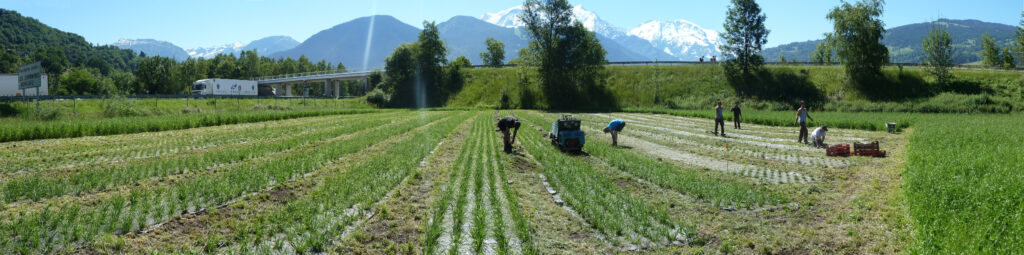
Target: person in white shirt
x=818 y=136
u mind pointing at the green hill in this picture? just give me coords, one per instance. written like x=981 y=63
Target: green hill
x=20 y=35
x=904 y=42
x=699 y=87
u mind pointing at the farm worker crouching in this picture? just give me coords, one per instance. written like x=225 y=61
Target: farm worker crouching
x=719 y=119
x=506 y=124
x=801 y=119
x=736 y=115
x=614 y=128
x=818 y=136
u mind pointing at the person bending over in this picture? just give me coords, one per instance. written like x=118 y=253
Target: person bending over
x=506 y=125
x=614 y=128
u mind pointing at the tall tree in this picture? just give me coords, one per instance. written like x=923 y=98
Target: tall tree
x=1008 y=61
x=744 y=36
x=495 y=55
x=823 y=53
x=571 y=60
x=858 y=41
x=990 y=51
x=156 y=75
x=1019 y=36
x=939 y=54
x=430 y=56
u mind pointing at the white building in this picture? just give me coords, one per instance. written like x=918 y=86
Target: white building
x=9 y=86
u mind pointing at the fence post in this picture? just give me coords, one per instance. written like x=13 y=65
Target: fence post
x=74 y=111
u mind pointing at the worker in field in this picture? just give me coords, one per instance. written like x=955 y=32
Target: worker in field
x=506 y=125
x=818 y=137
x=719 y=119
x=614 y=128
x=801 y=119
x=736 y=115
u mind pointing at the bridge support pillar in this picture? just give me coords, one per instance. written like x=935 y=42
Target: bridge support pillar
x=337 y=89
x=287 y=90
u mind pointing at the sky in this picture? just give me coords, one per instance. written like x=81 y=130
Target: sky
x=207 y=23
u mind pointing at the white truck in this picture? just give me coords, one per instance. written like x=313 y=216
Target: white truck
x=225 y=87
x=9 y=86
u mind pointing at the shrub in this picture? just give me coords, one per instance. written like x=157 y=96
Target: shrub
x=377 y=97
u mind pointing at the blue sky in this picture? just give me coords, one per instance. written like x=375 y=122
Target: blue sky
x=196 y=23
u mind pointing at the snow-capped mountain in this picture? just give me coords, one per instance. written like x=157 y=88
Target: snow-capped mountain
x=664 y=40
x=208 y=53
x=680 y=38
x=510 y=18
x=152 y=48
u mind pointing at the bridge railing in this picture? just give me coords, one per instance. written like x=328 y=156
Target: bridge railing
x=282 y=76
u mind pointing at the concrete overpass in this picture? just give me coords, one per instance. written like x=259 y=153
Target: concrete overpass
x=331 y=79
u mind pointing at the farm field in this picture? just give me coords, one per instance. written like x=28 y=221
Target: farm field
x=437 y=182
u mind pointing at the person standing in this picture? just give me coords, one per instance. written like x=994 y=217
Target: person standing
x=801 y=119
x=506 y=125
x=614 y=128
x=719 y=119
x=736 y=115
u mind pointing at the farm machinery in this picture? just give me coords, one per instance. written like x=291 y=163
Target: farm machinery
x=566 y=134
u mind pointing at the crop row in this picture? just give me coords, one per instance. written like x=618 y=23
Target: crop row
x=597 y=199
x=49 y=148
x=870 y=121
x=696 y=151
x=312 y=222
x=685 y=180
x=18 y=131
x=40 y=186
x=59 y=228
x=129 y=148
x=495 y=205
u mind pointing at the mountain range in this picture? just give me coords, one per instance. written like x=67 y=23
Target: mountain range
x=904 y=42
x=365 y=43
x=264 y=46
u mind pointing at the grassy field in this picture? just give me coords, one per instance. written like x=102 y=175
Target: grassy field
x=699 y=87
x=124 y=116
x=430 y=182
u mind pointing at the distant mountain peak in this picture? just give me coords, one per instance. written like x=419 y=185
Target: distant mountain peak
x=680 y=39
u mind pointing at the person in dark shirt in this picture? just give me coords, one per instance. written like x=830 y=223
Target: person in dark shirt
x=719 y=119
x=736 y=115
x=506 y=125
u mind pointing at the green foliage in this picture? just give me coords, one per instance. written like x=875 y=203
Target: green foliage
x=823 y=53
x=156 y=76
x=378 y=98
x=1008 y=61
x=571 y=59
x=87 y=81
x=495 y=55
x=744 y=36
x=990 y=52
x=418 y=75
x=857 y=38
x=939 y=55
x=962 y=183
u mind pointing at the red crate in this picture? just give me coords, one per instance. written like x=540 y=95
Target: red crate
x=838 y=150
x=868 y=150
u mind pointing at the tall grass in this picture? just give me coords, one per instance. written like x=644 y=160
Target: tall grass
x=696 y=87
x=31 y=130
x=963 y=182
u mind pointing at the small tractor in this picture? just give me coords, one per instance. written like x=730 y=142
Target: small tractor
x=566 y=134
